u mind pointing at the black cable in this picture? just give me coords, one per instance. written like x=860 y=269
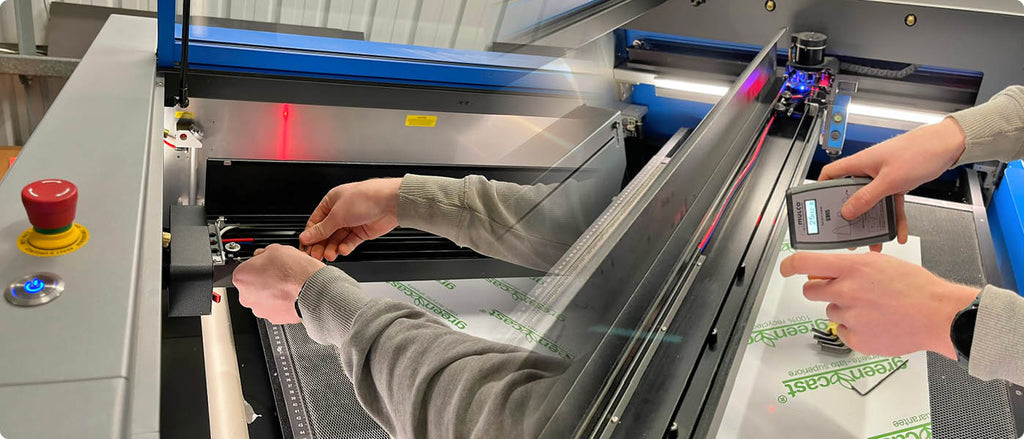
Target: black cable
x=186 y=7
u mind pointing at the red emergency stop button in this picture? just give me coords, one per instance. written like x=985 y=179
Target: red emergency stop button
x=50 y=205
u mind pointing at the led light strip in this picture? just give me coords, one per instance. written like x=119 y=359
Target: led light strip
x=860 y=109
x=692 y=87
x=894 y=113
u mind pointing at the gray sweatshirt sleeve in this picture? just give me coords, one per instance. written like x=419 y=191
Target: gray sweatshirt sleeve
x=994 y=130
x=997 y=350
x=416 y=376
x=530 y=226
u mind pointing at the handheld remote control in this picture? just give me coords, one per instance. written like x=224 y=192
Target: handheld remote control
x=815 y=221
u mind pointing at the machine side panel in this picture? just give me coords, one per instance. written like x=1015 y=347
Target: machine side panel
x=1006 y=215
x=144 y=395
x=95 y=135
x=84 y=409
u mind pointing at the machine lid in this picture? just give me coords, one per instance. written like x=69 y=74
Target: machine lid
x=501 y=44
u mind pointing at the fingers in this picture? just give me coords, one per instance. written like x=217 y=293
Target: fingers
x=349 y=244
x=331 y=250
x=317 y=250
x=814 y=264
x=320 y=231
x=847 y=166
x=835 y=313
x=877 y=248
x=866 y=198
x=902 y=228
x=259 y=251
x=816 y=290
x=320 y=213
x=844 y=334
x=322 y=223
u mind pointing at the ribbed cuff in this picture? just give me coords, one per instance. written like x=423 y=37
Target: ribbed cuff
x=432 y=204
x=330 y=299
x=989 y=129
x=995 y=353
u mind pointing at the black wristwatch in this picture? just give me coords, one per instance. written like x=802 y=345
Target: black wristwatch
x=961 y=332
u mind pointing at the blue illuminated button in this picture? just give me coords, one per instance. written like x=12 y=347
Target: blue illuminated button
x=34 y=289
x=34 y=286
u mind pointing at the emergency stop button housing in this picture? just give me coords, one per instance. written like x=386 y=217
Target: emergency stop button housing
x=51 y=205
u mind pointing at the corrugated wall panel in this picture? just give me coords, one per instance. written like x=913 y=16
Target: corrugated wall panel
x=478 y=21
x=383 y=20
x=465 y=24
x=405 y=21
x=427 y=23
x=361 y=19
x=451 y=14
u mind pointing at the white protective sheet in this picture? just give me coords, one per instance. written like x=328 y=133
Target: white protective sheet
x=787 y=388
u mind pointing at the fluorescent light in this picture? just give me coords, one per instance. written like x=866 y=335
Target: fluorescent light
x=894 y=113
x=692 y=87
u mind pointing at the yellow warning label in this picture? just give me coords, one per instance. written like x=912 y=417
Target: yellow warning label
x=184 y=114
x=416 y=120
x=29 y=249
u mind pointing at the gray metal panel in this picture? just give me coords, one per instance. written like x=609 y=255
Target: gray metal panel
x=145 y=373
x=962 y=39
x=73 y=27
x=95 y=135
x=259 y=130
x=80 y=410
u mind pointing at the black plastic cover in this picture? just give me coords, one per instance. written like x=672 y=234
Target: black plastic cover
x=190 y=280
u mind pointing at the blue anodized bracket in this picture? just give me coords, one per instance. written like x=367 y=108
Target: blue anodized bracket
x=836 y=134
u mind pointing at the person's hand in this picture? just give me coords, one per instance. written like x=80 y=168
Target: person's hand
x=898 y=165
x=270 y=282
x=883 y=305
x=350 y=214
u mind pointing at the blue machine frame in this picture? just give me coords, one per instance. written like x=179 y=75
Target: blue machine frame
x=249 y=51
x=1006 y=218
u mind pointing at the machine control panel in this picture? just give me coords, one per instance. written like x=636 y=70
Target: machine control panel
x=34 y=289
x=815 y=221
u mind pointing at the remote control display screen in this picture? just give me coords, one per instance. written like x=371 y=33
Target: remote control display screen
x=812 y=216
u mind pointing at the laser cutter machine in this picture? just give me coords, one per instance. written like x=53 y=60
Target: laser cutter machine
x=181 y=144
